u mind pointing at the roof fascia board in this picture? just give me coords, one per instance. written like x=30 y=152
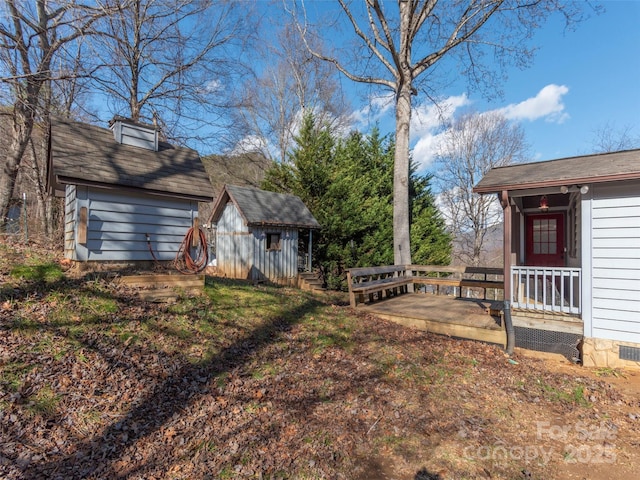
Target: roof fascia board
x=556 y=183
x=244 y=218
x=283 y=225
x=61 y=180
x=220 y=202
x=223 y=198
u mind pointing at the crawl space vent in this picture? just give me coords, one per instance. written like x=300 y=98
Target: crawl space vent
x=629 y=353
x=563 y=343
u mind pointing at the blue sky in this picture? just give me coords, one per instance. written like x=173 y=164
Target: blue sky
x=599 y=65
x=580 y=81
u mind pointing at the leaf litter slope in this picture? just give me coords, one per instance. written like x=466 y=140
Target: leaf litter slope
x=266 y=382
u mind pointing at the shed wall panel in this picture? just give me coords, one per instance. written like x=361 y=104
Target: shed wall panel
x=241 y=251
x=119 y=224
x=234 y=249
x=280 y=266
x=615 y=261
x=70 y=222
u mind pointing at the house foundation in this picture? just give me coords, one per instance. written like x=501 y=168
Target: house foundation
x=598 y=352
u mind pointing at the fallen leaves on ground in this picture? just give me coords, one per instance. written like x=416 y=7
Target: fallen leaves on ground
x=266 y=382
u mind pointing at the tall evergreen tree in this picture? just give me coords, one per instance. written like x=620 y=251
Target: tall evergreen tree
x=348 y=186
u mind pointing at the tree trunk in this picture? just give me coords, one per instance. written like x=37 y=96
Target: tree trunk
x=401 y=234
x=22 y=128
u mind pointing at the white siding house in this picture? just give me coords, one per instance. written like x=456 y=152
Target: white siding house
x=257 y=234
x=572 y=254
x=129 y=197
x=614 y=263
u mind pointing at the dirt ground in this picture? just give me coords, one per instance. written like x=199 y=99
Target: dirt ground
x=606 y=455
x=592 y=447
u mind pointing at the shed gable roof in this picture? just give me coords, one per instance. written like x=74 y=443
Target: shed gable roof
x=84 y=154
x=259 y=207
x=603 y=167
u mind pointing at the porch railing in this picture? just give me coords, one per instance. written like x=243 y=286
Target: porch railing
x=552 y=289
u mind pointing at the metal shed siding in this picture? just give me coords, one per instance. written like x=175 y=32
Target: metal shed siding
x=234 y=244
x=615 y=262
x=70 y=222
x=241 y=251
x=118 y=224
x=280 y=266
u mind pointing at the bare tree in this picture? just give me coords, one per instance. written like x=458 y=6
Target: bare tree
x=291 y=83
x=171 y=60
x=396 y=44
x=32 y=35
x=473 y=145
x=608 y=138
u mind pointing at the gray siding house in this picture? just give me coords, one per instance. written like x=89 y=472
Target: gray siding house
x=129 y=197
x=572 y=254
x=257 y=234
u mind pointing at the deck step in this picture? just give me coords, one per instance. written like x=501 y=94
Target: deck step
x=165 y=287
x=310 y=281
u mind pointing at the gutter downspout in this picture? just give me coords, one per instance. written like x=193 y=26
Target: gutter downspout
x=508 y=324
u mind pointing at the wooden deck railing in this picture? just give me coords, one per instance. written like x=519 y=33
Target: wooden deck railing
x=375 y=283
x=553 y=289
x=460 y=277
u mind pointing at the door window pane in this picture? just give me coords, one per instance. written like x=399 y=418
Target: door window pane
x=545 y=236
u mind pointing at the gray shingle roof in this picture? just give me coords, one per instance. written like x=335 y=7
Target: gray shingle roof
x=85 y=154
x=604 y=167
x=259 y=207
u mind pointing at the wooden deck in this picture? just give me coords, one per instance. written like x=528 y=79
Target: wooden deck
x=457 y=317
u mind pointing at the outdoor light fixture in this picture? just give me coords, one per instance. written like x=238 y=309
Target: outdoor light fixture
x=584 y=189
x=544 y=204
x=564 y=189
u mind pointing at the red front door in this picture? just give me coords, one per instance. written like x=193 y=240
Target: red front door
x=545 y=240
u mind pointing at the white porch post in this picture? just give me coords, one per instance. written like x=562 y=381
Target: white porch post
x=586 y=255
x=506 y=247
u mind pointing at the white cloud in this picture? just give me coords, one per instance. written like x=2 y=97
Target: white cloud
x=427 y=122
x=429 y=117
x=425 y=149
x=546 y=104
x=378 y=106
x=249 y=144
x=212 y=86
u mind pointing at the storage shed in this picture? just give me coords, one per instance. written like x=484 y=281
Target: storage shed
x=129 y=196
x=257 y=234
x=572 y=254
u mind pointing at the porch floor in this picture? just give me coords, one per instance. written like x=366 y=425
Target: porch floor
x=468 y=318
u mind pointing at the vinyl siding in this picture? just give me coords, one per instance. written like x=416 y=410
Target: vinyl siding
x=615 y=262
x=118 y=225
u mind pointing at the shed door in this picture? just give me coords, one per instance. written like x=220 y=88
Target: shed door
x=545 y=240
